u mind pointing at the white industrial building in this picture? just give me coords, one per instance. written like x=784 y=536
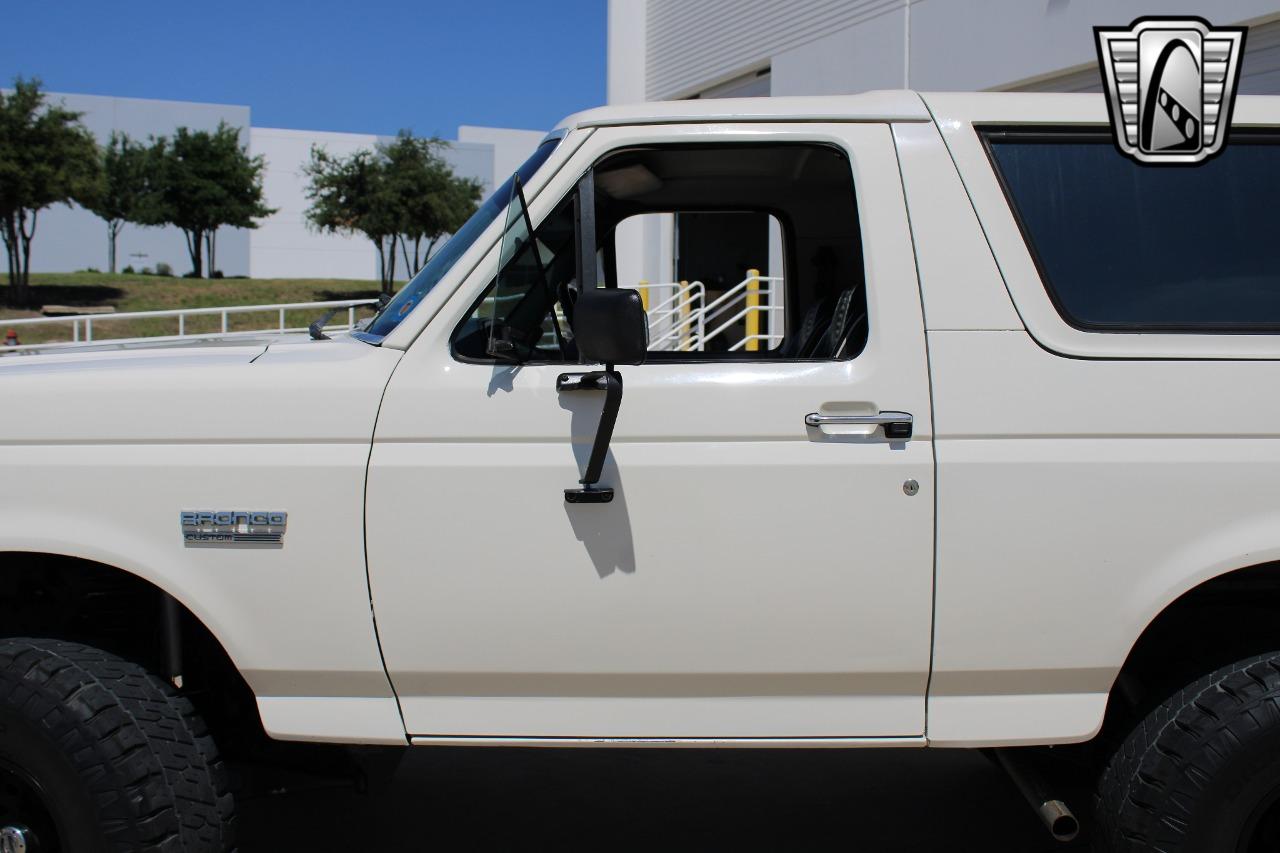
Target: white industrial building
x=283 y=246
x=671 y=49
x=674 y=49
x=665 y=50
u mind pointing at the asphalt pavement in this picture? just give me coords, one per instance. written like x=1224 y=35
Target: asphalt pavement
x=487 y=798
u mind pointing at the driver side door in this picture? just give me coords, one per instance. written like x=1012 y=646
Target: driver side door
x=755 y=577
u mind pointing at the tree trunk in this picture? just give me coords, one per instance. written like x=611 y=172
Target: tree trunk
x=25 y=272
x=404 y=250
x=211 y=249
x=10 y=236
x=20 y=284
x=113 y=231
x=386 y=262
x=10 y=239
x=13 y=273
x=389 y=285
x=195 y=239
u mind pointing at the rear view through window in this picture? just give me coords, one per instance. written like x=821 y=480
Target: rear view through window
x=1127 y=247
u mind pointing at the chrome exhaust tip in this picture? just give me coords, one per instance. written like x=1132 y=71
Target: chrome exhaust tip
x=1056 y=816
x=1059 y=820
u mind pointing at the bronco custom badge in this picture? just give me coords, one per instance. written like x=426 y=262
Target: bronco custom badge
x=1170 y=86
x=233 y=528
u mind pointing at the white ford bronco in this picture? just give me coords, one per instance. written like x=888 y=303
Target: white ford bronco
x=945 y=424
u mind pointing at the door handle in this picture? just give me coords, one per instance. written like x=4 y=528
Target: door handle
x=896 y=424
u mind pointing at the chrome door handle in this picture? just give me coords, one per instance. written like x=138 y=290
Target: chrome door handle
x=896 y=424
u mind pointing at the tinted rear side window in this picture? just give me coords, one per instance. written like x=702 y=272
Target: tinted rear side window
x=1122 y=246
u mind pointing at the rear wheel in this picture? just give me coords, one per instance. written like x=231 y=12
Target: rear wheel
x=1201 y=774
x=97 y=754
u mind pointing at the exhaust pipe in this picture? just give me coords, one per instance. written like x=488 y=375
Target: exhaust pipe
x=1053 y=812
x=1059 y=820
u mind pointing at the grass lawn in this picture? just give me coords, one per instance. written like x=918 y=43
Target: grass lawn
x=156 y=293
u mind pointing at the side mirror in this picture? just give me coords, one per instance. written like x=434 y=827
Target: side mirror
x=610 y=326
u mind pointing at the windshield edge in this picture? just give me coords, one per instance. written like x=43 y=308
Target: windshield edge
x=374 y=339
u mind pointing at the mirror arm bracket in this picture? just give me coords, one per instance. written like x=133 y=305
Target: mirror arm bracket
x=610 y=382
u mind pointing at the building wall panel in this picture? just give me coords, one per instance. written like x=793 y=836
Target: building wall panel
x=1014 y=45
x=695 y=45
x=849 y=60
x=283 y=244
x=1260 y=73
x=829 y=46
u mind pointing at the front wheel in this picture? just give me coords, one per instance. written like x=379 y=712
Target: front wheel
x=97 y=754
x=1201 y=774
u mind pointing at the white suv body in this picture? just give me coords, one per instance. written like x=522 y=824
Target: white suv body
x=756 y=581
x=813 y=617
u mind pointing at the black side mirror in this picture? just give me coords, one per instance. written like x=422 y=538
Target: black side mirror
x=610 y=326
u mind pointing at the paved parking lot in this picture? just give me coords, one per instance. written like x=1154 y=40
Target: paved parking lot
x=505 y=799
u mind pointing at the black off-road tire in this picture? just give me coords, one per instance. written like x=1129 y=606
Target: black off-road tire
x=1202 y=770
x=120 y=760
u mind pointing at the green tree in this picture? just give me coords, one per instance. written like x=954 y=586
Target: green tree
x=201 y=181
x=122 y=194
x=47 y=157
x=427 y=199
x=349 y=195
x=403 y=193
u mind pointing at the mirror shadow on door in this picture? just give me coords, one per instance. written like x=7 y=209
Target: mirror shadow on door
x=604 y=529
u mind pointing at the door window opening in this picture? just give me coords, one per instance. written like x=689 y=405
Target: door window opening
x=766 y=254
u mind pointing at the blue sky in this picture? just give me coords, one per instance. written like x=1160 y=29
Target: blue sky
x=372 y=66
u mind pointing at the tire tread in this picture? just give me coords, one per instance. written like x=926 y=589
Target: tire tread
x=1147 y=793
x=147 y=758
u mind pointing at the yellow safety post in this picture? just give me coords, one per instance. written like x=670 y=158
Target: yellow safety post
x=684 y=315
x=753 y=310
x=644 y=294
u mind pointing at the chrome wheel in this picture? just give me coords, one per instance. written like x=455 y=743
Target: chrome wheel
x=26 y=824
x=16 y=839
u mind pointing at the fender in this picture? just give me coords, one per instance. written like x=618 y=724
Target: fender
x=292 y=715
x=294 y=619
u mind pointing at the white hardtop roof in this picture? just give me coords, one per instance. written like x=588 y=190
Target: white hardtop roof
x=1054 y=108
x=891 y=105
x=898 y=105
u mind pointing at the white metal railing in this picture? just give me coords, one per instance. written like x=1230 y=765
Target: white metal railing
x=82 y=324
x=680 y=321
x=678 y=312
x=667 y=317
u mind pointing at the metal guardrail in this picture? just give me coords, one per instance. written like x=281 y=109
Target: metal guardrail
x=680 y=321
x=678 y=314
x=82 y=324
